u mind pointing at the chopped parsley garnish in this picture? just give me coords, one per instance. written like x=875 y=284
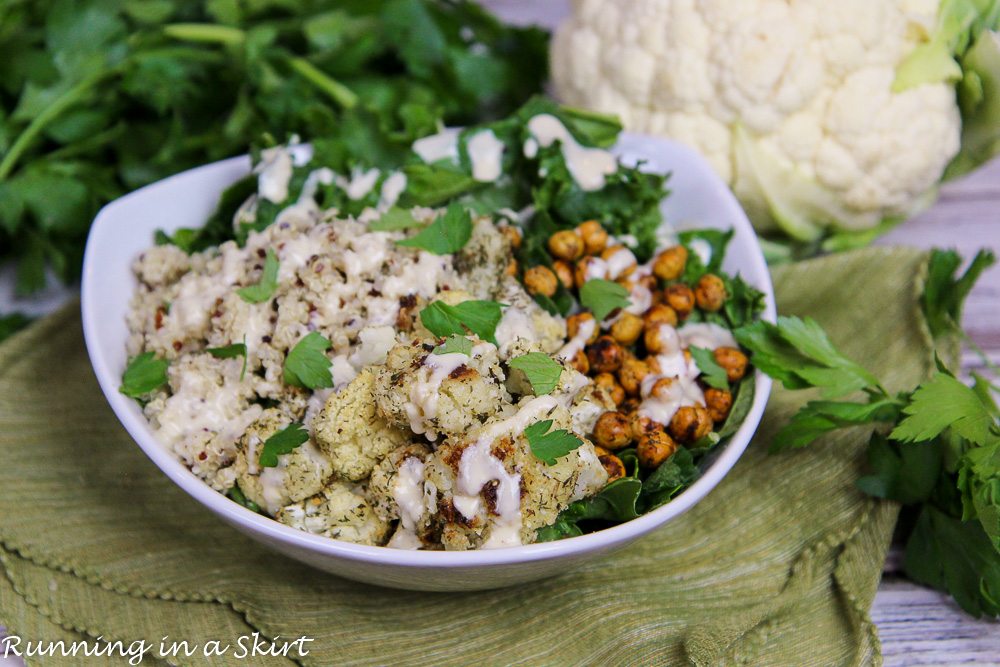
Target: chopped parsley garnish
x=393 y=220
x=231 y=352
x=602 y=297
x=446 y=235
x=237 y=496
x=283 y=442
x=479 y=317
x=549 y=446
x=712 y=373
x=264 y=289
x=307 y=365
x=542 y=371
x=144 y=374
x=455 y=344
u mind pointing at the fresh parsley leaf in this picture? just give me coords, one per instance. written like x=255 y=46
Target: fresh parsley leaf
x=283 y=442
x=264 y=289
x=237 y=496
x=549 y=446
x=306 y=364
x=393 y=220
x=817 y=418
x=144 y=374
x=674 y=474
x=742 y=402
x=455 y=344
x=231 y=352
x=602 y=297
x=615 y=503
x=944 y=294
x=717 y=242
x=433 y=185
x=446 y=235
x=479 y=317
x=944 y=402
x=904 y=473
x=542 y=371
x=712 y=373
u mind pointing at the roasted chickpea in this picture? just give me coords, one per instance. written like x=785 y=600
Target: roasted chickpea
x=680 y=298
x=601 y=451
x=710 y=292
x=605 y=355
x=669 y=264
x=564 y=271
x=513 y=235
x=627 y=329
x=566 y=244
x=579 y=362
x=622 y=265
x=659 y=314
x=612 y=430
x=574 y=322
x=661 y=388
x=690 y=424
x=718 y=402
x=540 y=280
x=733 y=360
x=511 y=269
x=593 y=235
x=613 y=465
x=654 y=448
x=587 y=268
x=661 y=339
x=631 y=374
x=630 y=405
x=640 y=425
x=609 y=383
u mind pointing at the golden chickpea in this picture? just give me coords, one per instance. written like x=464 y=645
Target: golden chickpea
x=540 y=280
x=627 y=260
x=661 y=339
x=511 y=269
x=640 y=425
x=627 y=329
x=669 y=264
x=710 y=292
x=566 y=244
x=593 y=235
x=661 y=388
x=680 y=298
x=733 y=360
x=587 y=268
x=609 y=384
x=659 y=314
x=579 y=363
x=600 y=451
x=513 y=235
x=564 y=271
x=630 y=404
x=612 y=430
x=573 y=323
x=654 y=448
x=690 y=424
x=631 y=374
x=718 y=402
x=613 y=465
x=605 y=355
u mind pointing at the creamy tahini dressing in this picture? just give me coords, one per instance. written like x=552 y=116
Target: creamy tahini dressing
x=660 y=403
x=274 y=173
x=577 y=342
x=422 y=406
x=588 y=166
x=392 y=187
x=514 y=325
x=479 y=467
x=440 y=146
x=486 y=155
x=620 y=261
x=706 y=335
x=410 y=493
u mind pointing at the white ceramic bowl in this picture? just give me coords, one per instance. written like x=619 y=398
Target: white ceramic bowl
x=125 y=227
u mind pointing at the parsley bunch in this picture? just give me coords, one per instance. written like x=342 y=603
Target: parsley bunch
x=936 y=449
x=98 y=97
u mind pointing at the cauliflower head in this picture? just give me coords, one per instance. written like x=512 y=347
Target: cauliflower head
x=351 y=433
x=434 y=394
x=299 y=474
x=341 y=511
x=823 y=117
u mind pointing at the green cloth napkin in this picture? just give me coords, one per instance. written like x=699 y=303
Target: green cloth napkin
x=778 y=565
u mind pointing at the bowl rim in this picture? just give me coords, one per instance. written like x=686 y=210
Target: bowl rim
x=266 y=527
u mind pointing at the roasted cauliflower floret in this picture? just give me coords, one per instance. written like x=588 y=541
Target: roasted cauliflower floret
x=525 y=320
x=433 y=394
x=585 y=400
x=351 y=433
x=398 y=489
x=492 y=489
x=299 y=474
x=341 y=511
x=483 y=260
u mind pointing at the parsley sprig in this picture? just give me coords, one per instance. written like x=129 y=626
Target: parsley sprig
x=478 y=317
x=307 y=365
x=550 y=445
x=284 y=441
x=267 y=284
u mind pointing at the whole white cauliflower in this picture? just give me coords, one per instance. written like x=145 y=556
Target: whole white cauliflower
x=821 y=116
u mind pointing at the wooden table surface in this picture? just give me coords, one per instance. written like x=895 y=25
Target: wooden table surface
x=917 y=626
